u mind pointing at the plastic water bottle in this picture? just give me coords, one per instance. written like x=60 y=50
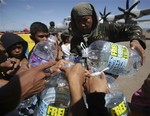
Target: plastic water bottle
x=55 y=99
x=27 y=107
x=116 y=104
x=43 y=52
x=115 y=100
x=118 y=58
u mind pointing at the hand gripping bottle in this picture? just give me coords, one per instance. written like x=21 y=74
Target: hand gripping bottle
x=118 y=58
x=115 y=100
x=43 y=52
x=55 y=99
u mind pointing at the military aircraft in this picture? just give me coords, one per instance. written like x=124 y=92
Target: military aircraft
x=129 y=15
x=64 y=24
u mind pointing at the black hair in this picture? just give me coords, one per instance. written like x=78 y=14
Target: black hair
x=65 y=36
x=38 y=27
x=52 y=23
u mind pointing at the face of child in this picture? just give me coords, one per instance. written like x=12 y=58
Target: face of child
x=16 y=51
x=41 y=36
x=3 y=54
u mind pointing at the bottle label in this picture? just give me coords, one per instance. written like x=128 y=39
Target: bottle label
x=36 y=60
x=118 y=58
x=56 y=111
x=49 y=110
x=55 y=102
x=119 y=110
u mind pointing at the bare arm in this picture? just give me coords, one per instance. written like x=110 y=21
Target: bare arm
x=75 y=77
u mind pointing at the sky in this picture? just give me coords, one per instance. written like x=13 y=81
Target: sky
x=20 y=14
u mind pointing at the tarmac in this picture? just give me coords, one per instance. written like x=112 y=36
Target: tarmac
x=131 y=84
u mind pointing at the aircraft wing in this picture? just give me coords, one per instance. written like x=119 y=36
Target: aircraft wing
x=146 y=20
x=139 y=14
x=118 y=17
x=144 y=12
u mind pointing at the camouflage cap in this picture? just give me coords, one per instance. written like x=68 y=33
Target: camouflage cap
x=82 y=9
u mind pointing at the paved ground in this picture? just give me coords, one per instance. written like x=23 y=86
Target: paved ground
x=130 y=85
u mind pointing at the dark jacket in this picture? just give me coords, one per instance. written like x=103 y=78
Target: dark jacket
x=104 y=31
x=9 y=39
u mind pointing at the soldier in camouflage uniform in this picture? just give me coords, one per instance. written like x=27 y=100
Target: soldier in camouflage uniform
x=87 y=29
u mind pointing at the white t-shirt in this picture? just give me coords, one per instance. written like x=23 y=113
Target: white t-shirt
x=66 y=49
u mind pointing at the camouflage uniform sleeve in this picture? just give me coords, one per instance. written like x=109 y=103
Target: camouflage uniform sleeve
x=127 y=32
x=136 y=33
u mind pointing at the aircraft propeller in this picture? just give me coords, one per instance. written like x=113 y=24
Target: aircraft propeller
x=127 y=12
x=104 y=15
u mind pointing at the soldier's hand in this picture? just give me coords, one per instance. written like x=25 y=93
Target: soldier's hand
x=136 y=45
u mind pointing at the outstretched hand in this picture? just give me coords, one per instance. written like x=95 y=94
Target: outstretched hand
x=74 y=74
x=32 y=80
x=136 y=45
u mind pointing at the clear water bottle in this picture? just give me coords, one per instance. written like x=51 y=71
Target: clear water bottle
x=115 y=100
x=116 y=104
x=55 y=99
x=27 y=107
x=43 y=52
x=118 y=58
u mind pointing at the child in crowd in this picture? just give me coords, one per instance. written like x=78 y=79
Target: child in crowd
x=39 y=32
x=8 y=67
x=65 y=36
x=15 y=46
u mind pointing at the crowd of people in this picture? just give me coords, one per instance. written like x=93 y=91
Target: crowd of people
x=19 y=81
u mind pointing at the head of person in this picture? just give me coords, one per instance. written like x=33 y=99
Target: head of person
x=15 y=45
x=65 y=36
x=39 y=32
x=83 y=18
x=3 y=53
x=52 y=29
x=52 y=23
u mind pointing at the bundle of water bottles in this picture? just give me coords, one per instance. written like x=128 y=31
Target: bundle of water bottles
x=114 y=59
x=100 y=55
